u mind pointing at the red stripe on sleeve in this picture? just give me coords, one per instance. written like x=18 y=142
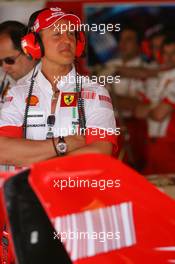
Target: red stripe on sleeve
x=97 y=134
x=11 y=131
x=168 y=101
x=143 y=97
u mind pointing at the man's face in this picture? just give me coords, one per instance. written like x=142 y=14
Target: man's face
x=156 y=45
x=128 y=44
x=59 y=46
x=22 y=64
x=169 y=54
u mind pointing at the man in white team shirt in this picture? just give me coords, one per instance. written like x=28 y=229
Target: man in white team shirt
x=15 y=65
x=159 y=110
x=125 y=93
x=129 y=56
x=53 y=106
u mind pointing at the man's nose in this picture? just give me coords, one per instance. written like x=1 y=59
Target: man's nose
x=66 y=37
x=6 y=67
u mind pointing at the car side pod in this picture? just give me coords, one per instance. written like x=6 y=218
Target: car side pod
x=102 y=211
x=105 y=211
x=30 y=228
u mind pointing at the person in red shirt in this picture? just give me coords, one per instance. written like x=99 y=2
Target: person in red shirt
x=159 y=109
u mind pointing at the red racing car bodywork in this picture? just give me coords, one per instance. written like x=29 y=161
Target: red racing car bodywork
x=124 y=217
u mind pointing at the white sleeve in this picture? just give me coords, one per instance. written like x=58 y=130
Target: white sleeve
x=168 y=95
x=99 y=111
x=11 y=113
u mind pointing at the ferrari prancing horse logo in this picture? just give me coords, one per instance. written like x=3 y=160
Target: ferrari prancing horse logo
x=68 y=99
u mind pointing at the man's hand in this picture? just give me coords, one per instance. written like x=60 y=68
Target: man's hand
x=142 y=111
x=24 y=152
x=101 y=147
x=161 y=111
x=137 y=72
x=75 y=142
x=125 y=102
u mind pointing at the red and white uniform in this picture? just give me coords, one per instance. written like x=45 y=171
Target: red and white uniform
x=6 y=99
x=161 y=142
x=163 y=92
x=9 y=82
x=127 y=86
x=98 y=109
x=13 y=83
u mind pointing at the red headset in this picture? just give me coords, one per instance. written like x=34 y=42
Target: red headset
x=80 y=45
x=146 y=49
x=32 y=45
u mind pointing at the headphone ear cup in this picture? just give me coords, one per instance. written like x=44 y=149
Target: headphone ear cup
x=81 y=42
x=159 y=57
x=146 y=49
x=31 y=46
x=39 y=41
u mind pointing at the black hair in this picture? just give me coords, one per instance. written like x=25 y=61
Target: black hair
x=15 y=30
x=133 y=29
x=157 y=34
x=33 y=17
x=170 y=39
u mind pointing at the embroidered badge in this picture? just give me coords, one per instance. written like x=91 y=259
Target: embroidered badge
x=68 y=99
x=33 y=100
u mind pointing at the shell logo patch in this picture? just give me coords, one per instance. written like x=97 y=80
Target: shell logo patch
x=33 y=100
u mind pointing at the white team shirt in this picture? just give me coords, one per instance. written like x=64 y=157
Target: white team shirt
x=5 y=100
x=159 y=90
x=98 y=108
x=13 y=83
x=126 y=86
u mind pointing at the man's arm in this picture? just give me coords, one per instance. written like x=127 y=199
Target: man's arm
x=158 y=113
x=141 y=72
x=137 y=72
x=96 y=147
x=23 y=152
x=142 y=110
x=161 y=111
x=125 y=102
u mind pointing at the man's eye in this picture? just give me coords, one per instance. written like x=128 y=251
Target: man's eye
x=71 y=33
x=57 y=34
